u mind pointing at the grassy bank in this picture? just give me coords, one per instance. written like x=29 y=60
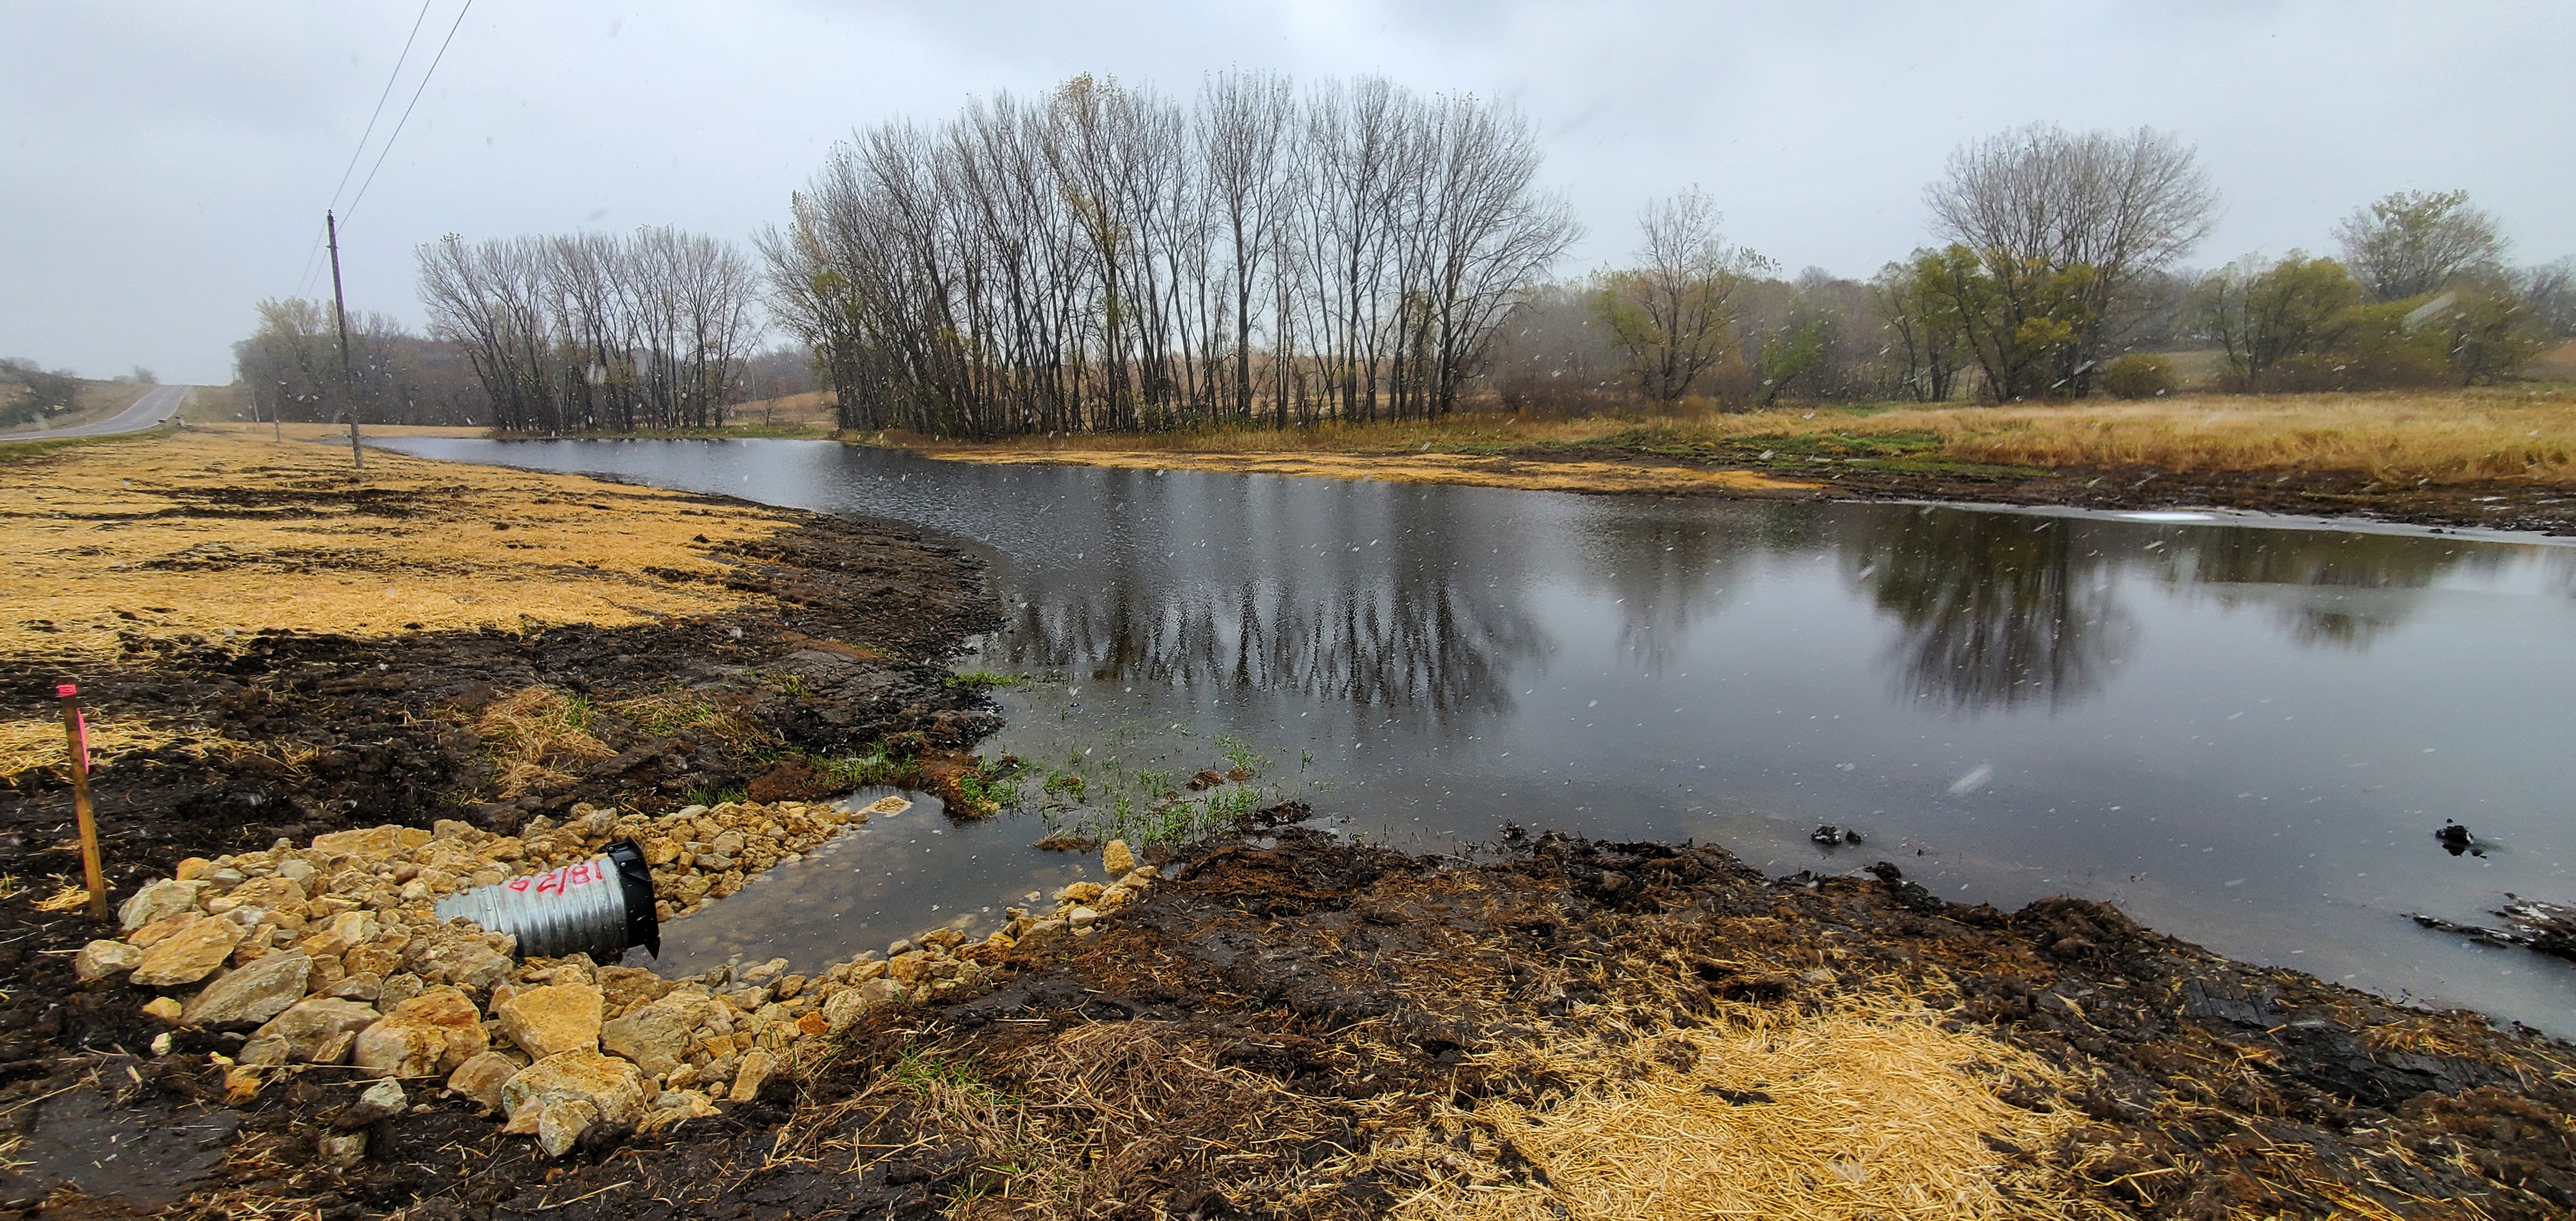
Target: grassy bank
x=2502 y=457
x=2522 y=433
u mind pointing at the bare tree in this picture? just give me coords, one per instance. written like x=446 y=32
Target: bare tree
x=1673 y=313
x=2042 y=199
x=2412 y=242
x=1107 y=259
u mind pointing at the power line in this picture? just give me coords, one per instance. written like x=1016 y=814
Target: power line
x=407 y=109
x=379 y=111
x=312 y=258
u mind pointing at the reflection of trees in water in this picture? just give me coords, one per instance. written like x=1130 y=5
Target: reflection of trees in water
x=1667 y=570
x=1272 y=603
x=1401 y=643
x=2345 y=589
x=1996 y=610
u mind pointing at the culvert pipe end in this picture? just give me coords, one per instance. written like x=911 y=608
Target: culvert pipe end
x=597 y=907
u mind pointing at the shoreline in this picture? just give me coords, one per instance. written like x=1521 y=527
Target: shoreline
x=1314 y=1028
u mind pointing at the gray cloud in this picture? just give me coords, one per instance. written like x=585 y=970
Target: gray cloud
x=168 y=164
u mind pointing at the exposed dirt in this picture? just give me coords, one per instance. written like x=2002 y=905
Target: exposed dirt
x=1317 y=1030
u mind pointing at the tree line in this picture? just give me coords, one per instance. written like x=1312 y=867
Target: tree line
x=596 y=332
x=1107 y=258
x=2057 y=272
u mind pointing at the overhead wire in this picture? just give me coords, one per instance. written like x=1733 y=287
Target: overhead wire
x=407 y=109
x=312 y=258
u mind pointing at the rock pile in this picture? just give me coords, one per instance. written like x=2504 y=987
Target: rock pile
x=331 y=954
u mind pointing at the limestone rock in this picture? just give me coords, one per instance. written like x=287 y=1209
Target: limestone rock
x=158 y=901
x=164 y=928
x=1080 y=892
x=252 y=994
x=165 y=1008
x=849 y=1004
x=371 y=844
x=675 y=1108
x=382 y=1101
x=559 y=1124
x=623 y=988
x=1116 y=860
x=457 y=956
x=482 y=1077
x=1082 y=917
x=656 y=1034
x=320 y=1029
x=100 y=959
x=757 y=1065
x=551 y=1020
x=435 y=1032
x=343 y=1150
x=613 y=1086
x=189 y=955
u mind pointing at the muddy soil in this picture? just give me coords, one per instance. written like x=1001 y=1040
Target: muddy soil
x=1246 y=1041
x=2494 y=505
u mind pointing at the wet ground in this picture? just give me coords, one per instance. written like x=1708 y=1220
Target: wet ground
x=2243 y=729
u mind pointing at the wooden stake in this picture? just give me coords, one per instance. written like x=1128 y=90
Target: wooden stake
x=77 y=732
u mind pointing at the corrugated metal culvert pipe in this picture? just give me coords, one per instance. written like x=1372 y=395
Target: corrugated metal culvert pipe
x=597 y=907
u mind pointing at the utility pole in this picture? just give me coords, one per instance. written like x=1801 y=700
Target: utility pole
x=340 y=309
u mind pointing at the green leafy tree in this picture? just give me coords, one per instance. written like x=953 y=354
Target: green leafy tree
x=2022 y=321
x=1925 y=330
x=2264 y=315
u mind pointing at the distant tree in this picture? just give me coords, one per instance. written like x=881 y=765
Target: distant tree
x=41 y=392
x=143 y=377
x=2264 y=315
x=2038 y=203
x=2548 y=294
x=2021 y=322
x=2412 y=243
x=1927 y=332
x=1672 y=314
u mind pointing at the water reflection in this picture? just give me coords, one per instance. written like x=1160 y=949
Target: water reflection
x=1254 y=590
x=1996 y=611
x=2241 y=732
x=2343 y=590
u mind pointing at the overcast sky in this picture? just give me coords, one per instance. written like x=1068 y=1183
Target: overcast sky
x=171 y=162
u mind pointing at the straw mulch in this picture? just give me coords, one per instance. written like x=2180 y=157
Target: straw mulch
x=1869 y=1109
x=205 y=536
x=32 y=743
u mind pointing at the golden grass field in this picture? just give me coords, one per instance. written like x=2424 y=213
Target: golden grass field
x=2512 y=434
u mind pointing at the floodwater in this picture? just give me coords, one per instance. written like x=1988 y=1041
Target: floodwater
x=2242 y=730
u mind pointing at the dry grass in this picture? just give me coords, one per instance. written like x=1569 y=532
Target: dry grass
x=2507 y=433
x=1867 y=1109
x=206 y=534
x=533 y=735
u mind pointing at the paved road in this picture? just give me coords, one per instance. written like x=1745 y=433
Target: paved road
x=156 y=405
